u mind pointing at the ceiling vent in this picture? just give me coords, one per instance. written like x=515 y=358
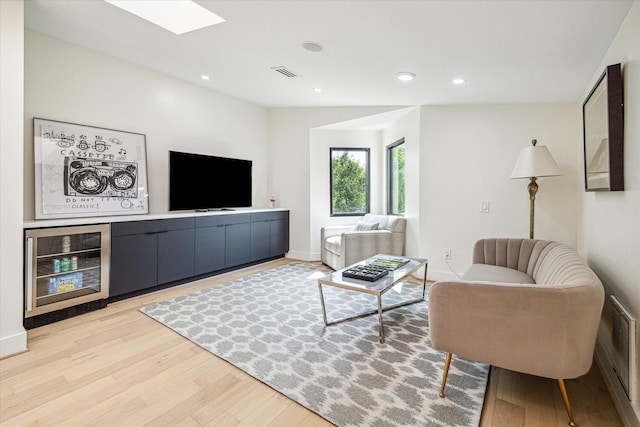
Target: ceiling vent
x=285 y=71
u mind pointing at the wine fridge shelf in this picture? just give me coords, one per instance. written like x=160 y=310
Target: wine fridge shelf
x=44 y=276
x=66 y=254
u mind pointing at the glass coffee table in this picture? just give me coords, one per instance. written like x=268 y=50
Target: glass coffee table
x=376 y=287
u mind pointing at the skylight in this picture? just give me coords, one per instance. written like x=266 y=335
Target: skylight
x=177 y=16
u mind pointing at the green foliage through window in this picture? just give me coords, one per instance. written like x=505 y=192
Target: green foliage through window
x=396 y=189
x=349 y=181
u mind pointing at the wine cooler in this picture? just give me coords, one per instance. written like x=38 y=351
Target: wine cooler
x=66 y=272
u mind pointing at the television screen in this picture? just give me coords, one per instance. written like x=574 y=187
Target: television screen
x=202 y=182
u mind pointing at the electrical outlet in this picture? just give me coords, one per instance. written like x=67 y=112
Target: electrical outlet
x=446 y=254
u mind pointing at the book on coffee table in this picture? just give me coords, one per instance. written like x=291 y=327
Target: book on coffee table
x=388 y=263
x=365 y=272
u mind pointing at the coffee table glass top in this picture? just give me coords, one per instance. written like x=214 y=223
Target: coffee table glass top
x=380 y=285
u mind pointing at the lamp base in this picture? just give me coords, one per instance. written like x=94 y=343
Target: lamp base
x=533 y=189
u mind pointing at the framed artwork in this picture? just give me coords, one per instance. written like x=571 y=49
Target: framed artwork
x=603 y=121
x=83 y=171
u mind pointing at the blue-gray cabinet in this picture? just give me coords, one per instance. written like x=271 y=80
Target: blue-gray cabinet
x=260 y=239
x=134 y=263
x=238 y=244
x=150 y=253
x=222 y=241
x=269 y=234
x=210 y=244
x=176 y=254
x=279 y=241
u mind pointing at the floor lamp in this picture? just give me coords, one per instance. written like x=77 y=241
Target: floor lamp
x=534 y=162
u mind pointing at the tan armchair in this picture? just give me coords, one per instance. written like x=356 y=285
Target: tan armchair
x=526 y=305
x=374 y=234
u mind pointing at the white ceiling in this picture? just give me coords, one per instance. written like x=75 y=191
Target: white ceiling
x=513 y=51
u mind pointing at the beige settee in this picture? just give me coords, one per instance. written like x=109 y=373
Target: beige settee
x=526 y=305
x=374 y=234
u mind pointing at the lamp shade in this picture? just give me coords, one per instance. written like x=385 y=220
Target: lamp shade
x=535 y=161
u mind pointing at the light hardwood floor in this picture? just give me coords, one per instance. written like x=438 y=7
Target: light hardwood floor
x=118 y=367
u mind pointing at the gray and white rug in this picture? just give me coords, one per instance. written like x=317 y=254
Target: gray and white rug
x=270 y=325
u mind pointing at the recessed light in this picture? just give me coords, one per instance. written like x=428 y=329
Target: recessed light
x=177 y=16
x=317 y=89
x=406 y=76
x=312 y=46
x=204 y=77
x=459 y=81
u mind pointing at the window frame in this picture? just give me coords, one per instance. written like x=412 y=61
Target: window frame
x=367 y=183
x=390 y=149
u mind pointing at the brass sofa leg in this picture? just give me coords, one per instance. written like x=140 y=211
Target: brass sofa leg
x=565 y=397
x=446 y=372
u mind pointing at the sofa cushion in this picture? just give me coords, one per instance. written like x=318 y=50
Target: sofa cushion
x=562 y=265
x=365 y=226
x=396 y=224
x=518 y=254
x=494 y=273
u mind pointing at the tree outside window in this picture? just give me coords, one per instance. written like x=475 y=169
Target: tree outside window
x=396 y=179
x=349 y=181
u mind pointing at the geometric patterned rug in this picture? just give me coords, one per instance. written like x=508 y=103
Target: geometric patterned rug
x=270 y=325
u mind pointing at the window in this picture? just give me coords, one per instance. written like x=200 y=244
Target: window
x=395 y=176
x=349 y=181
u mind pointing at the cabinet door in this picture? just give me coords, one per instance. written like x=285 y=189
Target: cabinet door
x=176 y=255
x=260 y=240
x=279 y=237
x=134 y=263
x=210 y=249
x=238 y=244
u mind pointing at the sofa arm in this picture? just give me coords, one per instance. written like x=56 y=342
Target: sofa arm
x=359 y=245
x=333 y=230
x=548 y=330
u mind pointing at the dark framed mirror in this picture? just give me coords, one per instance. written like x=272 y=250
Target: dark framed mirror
x=603 y=131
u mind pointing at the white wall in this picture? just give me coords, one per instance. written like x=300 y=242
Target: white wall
x=408 y=127
x=467 y=155
x=609 y=233
x=13 y=337
x=68 y=83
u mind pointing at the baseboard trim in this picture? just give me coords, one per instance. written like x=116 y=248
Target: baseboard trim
x=13 y=344
x=436 y=275
x=303 y=256
x=629 y=413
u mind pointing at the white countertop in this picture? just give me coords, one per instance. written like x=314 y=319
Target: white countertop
x=58 y=222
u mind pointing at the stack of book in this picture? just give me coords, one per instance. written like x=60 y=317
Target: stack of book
x=388 y=264
x=365 y=272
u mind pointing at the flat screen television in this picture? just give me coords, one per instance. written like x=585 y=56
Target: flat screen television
x=203 y=182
